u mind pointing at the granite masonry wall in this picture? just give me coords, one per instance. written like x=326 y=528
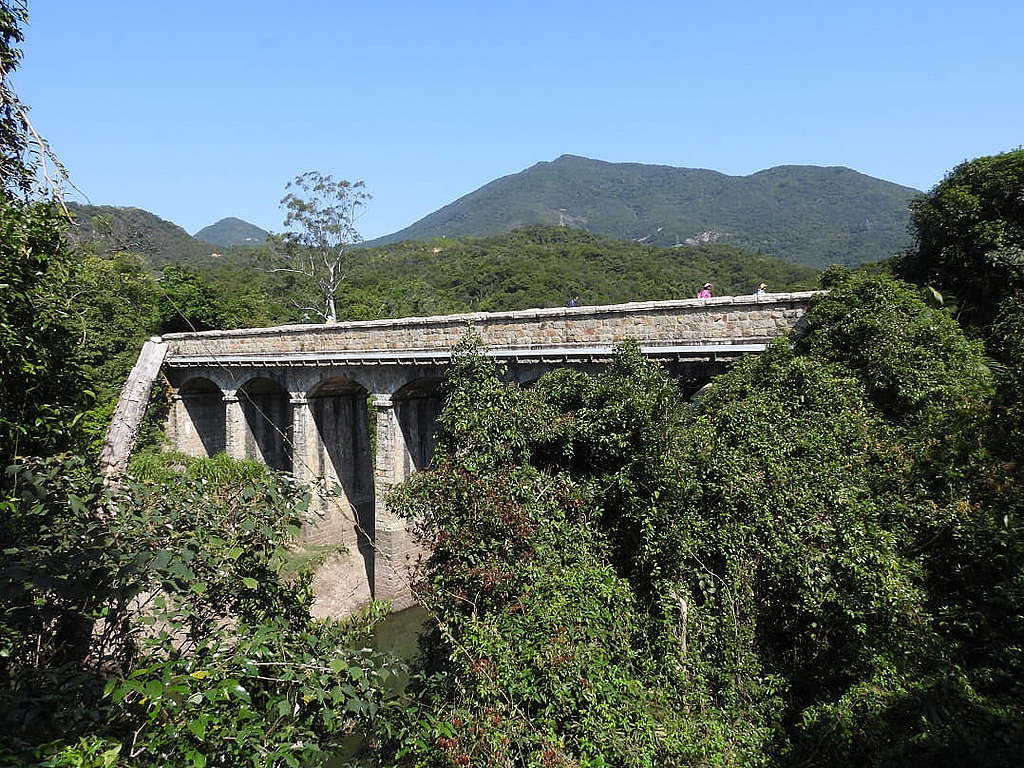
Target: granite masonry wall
x=728 y=319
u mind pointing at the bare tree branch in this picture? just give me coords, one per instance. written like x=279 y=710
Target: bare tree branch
x=323 y=212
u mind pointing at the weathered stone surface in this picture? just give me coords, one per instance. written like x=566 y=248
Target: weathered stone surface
x=690 y=321
x=131 y=406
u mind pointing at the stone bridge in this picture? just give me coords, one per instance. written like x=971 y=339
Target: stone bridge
x=353 y=406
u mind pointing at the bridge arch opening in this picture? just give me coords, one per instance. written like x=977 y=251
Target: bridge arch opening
x=337 y=460
x=417 y=406
x=201 y=421
x=267 y=411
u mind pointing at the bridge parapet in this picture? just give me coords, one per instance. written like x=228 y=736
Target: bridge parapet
x=727 y=320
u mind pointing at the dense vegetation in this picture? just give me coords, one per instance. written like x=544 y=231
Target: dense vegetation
x=543 y=267
x=801 y=214
x=818 y=563
x=167 y=622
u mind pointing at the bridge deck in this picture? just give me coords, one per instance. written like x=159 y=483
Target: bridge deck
x=694 y=327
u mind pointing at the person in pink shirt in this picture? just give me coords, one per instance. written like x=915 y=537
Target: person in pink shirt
x=705 y=292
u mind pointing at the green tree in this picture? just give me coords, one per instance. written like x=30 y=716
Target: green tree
x=115 y=306
x=325 y=212
x=38 y=392
x=187 y=301
x=970 y=246
x=15 y=174
x=970 y=234
x=167 y=622
x=39 y=389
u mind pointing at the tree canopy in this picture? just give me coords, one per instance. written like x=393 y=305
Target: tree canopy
x=970 y=234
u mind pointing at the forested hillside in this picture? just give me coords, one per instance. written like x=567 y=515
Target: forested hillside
x=111 y=229
x=231 y=232
x=542 y=267
x=802 y=214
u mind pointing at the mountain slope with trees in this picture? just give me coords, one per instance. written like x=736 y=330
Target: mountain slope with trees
x=108 y=229
x=231 y=231
x=802 y=214
x=543 y=267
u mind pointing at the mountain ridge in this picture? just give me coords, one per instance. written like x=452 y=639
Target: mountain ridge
x=112 y=228
x=806 y=214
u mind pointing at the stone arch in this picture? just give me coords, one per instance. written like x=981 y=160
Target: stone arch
x=267 y=412
x=417 y=406
x=693 y=376
x=200 y=418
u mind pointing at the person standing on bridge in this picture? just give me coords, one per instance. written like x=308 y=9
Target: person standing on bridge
x=705 y=292
x=574 y=301
x=762 y=289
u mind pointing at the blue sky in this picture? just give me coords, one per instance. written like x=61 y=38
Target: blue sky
x=200 y=110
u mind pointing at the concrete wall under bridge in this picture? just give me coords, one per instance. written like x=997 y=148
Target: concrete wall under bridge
x=306 y=399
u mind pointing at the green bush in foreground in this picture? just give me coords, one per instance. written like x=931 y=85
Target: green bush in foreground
x=168 y=623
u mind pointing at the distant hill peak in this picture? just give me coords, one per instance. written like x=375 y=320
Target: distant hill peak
x=107 y=229
x=232 y=231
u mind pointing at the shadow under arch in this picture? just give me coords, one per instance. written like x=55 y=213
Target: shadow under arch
x=341 y=457
x=417 y=406
x=266 y=406
x=204 y=432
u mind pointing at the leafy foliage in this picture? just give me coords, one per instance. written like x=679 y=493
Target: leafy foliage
x=919 y=370
x=970 y=234
x=39 y=390
x=115 y=306
x=796 y=570
x=15 y=174
x=170 y=622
